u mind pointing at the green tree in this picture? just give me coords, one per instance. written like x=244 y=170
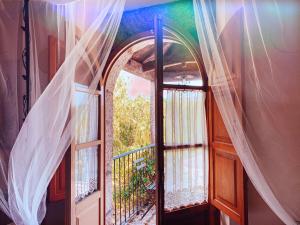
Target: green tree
x=131 y=119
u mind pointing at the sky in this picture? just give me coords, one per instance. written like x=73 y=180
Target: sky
x=136 y=85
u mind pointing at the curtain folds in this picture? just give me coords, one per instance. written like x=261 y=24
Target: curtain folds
x=251 y=51
x=10 y=88
x=85 y=31
x=186 y=169
x=258 y=96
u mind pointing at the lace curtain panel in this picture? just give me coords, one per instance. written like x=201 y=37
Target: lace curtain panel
x=86 y=130
x=186 y=168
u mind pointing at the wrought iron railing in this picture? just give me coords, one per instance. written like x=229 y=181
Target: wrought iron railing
x=133 y=172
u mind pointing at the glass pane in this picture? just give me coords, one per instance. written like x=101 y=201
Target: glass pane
x=184 y=117
x=86 y=172
x=180 y=66
x=185 y=177
x=87 y=117
x=186 y=169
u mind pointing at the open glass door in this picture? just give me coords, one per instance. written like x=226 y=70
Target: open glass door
x=185 y=150
x=181 y=133
x=85 y=196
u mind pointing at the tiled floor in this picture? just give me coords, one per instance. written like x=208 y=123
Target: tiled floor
x=149 y=218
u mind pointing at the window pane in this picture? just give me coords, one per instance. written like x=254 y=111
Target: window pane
x=86 y=172
x=87 y=117
x=185 y=177
x=184 y=117
x=186 y=169
x=180 y=66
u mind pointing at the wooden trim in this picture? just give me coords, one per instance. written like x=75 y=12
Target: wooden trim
x=176 y=147
x=209 y=126
x=87 y=144
x=224 y=149
x=199 y=214
x=170 y=27
x=214 y=216
x=158 y=27
x=184 y=87
x=183 y=210
x=57 y=185
x=243 y=113
x=52 y=48
x=102 y=158
x=82 y=205
x=72 y=177
x=68 y=206
x=178 y=36
x=113 y=57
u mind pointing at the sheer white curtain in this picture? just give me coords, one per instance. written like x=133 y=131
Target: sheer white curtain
x=257 y=90
x=10 y=89
x=186 y=168
x=85 y=30
x=87 y=121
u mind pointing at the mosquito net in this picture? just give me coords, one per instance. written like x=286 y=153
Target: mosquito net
x=251 y=52
x=84 y=31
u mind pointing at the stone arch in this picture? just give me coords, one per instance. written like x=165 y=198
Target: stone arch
x=121 y=59
x=122 y=62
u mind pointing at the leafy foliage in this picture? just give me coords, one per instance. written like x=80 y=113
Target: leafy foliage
x=139 y=181
x=131 y=119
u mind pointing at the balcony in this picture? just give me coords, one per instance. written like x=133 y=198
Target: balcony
x=134 y=186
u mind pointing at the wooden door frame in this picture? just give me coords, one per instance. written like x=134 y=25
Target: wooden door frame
x=160 y=27
x=189 y=43
x=159 y=134
x=238 y=83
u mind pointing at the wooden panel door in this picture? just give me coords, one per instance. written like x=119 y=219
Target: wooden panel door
x=85 y=161
x=227 y=176
x=57 y=186
x=168 y=81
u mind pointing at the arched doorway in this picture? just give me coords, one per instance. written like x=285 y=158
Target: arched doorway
x=137 y=55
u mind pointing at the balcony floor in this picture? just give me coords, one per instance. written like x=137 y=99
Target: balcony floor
x=149 y=219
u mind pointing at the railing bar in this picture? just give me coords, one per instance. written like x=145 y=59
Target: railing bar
x=133 y=185
x=139 y=190
x=133 y=203
x=132 y=151
x=115 y=197
x=128 y=181
x=136 y=189
x=124 y=180
x=120 y=190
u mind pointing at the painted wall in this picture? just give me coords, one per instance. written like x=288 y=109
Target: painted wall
x=180 y=13
x=258 y=211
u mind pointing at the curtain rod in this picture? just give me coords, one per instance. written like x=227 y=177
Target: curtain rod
x=26 y=57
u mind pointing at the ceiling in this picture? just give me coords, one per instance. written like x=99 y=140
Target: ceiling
x=135 y=4
x=178 y=62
